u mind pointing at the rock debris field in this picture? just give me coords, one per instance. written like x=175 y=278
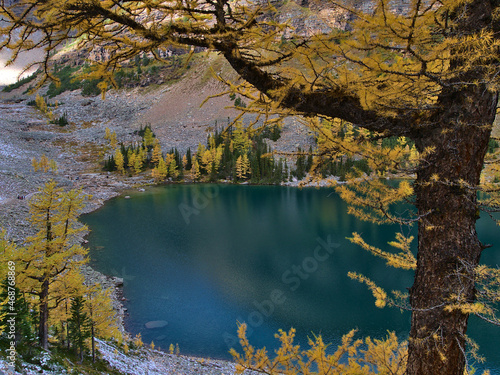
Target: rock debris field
x=25 y=133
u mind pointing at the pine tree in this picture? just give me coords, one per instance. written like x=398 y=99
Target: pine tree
x=300 y=165
x=79 y=326
x=309 y=161
x=189 y=163
x=63 y=290
x=199 y=152
x=15 y=309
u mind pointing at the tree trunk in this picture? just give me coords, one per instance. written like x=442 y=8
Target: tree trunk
x=93 y=341
x=448 y=246
x=43 y=334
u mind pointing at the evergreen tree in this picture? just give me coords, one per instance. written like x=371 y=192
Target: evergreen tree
x=64 y=289
x=79 y=326
x=189 y=158
x=300 y=165
x=16 y=317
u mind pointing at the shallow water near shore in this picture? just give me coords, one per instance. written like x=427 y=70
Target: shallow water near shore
x=196 y=259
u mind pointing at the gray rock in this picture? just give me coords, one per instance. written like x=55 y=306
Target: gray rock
x=156 y=324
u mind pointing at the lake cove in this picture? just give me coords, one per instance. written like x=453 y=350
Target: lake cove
x=197 y=259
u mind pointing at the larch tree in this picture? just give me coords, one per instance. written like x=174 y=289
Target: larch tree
x=131 y=156
x=119 y=161
x=156 y=154
x=113 y=141
x=149 y=138
x=51 y=253
x=102 y=316
x=428 y=73
x=239 y=169
x=195 y=170
x=137 y=163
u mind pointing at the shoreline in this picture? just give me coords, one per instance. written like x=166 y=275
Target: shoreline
x=26 y=134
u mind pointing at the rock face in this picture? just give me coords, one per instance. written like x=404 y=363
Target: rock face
x=309 y=17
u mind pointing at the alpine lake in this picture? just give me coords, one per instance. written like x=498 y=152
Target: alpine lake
x=197 y=259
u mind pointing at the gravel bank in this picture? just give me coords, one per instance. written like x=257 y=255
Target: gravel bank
x=25 y=134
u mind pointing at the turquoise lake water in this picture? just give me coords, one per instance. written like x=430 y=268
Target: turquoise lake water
x=196 y=259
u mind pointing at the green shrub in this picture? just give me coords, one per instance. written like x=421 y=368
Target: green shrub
x=89 y=87
x=67 y=81
x=61 y=121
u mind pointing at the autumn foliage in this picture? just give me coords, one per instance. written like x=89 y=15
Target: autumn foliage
x=422 y=72
x=48 y=273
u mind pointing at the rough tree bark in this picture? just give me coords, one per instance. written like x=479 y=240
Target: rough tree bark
x=43 y=328
x=448 y=245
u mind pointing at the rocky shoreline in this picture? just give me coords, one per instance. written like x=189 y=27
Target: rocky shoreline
x=26 y=134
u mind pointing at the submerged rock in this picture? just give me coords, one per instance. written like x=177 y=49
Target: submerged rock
x=156 y=324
